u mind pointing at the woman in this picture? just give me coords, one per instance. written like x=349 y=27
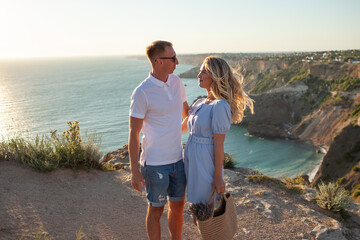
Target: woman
x=208 y=122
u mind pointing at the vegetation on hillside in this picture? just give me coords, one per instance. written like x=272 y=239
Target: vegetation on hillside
x=344 y=84
x=266 y=82
x=356 y=112
x=263 y=179
x=332 y=197
x=228 y=162
x=60 y=150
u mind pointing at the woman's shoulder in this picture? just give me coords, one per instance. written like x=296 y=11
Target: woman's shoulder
x=221 y=102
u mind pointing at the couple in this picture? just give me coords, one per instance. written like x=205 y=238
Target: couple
x=157 y=108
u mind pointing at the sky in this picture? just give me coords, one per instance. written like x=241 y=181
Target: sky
x=47 y=28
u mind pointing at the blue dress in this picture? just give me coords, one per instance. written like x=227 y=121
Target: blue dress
x=204 y=120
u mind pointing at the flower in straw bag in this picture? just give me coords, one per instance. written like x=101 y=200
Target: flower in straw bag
x=222 y=223
x=202 y=211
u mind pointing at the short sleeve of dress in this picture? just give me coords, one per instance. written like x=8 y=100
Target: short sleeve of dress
x=221 y=117
x=138 y=104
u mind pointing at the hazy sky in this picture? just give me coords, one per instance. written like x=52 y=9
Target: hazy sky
x=34 y=28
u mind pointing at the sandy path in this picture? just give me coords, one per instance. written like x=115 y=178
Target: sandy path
x=104 y=204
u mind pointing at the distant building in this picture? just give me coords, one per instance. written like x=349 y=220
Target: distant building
x=325 y=55
x=338 y=59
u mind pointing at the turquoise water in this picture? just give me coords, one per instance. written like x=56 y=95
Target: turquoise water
x=38 y=95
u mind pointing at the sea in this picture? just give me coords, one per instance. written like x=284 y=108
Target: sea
x=42 y=94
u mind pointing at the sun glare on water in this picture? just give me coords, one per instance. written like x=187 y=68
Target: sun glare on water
x=7 y=127
x=3 y=115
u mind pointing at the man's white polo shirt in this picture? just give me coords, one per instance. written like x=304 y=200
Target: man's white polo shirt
x=160 y=104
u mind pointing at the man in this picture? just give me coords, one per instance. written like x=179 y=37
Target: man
x=156 y=108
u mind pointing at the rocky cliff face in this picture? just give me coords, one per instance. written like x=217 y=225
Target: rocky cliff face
x=341 y=163
x=334 y=70
x=263 y=66
x=322 y=125
x=192 y=73
x=274 y=116
x=279 y=111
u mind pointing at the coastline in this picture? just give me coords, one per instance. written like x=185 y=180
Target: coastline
x=291 y=167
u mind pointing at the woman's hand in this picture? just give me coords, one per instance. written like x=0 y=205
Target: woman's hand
x=184 y=126
x=219 y=185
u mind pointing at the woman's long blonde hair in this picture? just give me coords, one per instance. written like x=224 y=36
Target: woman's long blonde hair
x=227 y=85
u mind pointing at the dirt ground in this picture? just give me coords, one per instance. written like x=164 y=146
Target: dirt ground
x=104 y=205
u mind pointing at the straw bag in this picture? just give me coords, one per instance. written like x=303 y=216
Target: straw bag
x=222 y=224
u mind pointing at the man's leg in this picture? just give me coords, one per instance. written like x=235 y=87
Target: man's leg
x=153 y=222
x=177 y=200
x=175 y=219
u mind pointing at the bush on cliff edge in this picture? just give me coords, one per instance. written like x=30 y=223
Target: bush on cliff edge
x=332 y=197
x=49 y=153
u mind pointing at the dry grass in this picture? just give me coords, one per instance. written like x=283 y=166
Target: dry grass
x=59 y=150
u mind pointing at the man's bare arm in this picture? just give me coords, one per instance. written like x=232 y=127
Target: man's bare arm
x=135 y=125
x=185 y=111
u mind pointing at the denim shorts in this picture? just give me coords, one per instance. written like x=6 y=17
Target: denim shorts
x=164 y=181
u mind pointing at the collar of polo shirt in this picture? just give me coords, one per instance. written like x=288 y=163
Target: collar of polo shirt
x=158 y=82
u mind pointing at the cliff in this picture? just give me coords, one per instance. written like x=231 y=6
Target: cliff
x=334 y=70
x=342 y=162
x=192 y=73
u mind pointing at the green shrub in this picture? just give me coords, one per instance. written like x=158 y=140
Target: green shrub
x=356 y=112
x=49 y=153
x=298 y=180
x=228 y=162
x=356 y=194
x=70 y=150
x=79 y=234
x=333 y=197
x=356 y=169
x=340 y=181
x=345 y=83
x=38 y=154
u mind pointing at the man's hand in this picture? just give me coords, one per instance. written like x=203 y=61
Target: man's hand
x=137 y=180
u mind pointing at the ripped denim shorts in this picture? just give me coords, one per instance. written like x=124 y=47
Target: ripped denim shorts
x=163 y=182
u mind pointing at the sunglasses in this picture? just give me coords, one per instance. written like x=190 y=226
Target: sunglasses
x=172 y=58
